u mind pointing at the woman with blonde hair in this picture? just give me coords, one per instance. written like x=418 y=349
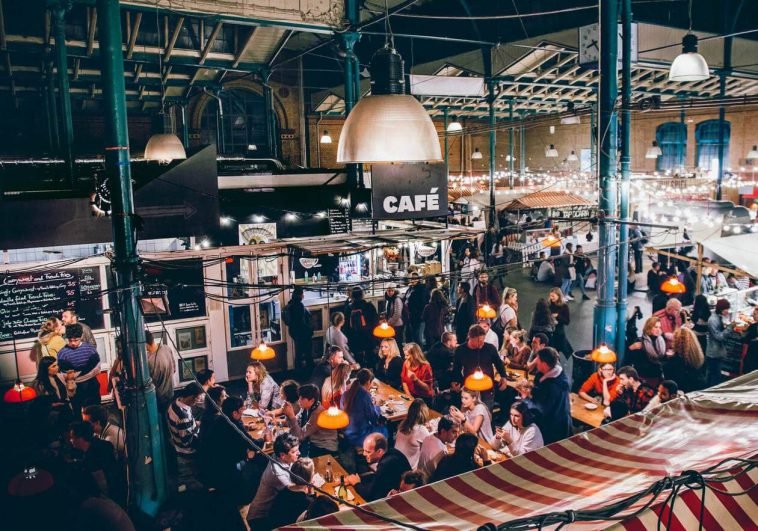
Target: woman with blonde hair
x=49 y=339
x=508 y=314
x=335 y=385
x=474 y=416
x=417 y=374
x=261 y=387
x=390 y=364
x=685 y=364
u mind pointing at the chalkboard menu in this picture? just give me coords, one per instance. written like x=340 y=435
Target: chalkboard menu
x=181 y=282
x=27 y=299
x=339 y=220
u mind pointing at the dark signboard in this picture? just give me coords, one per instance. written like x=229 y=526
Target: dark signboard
x=180 y=282
x=27 y=299
x=339 y=220
x=409 y=191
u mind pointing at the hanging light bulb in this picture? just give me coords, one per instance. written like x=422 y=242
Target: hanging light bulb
x=486 y=312
x=653 y=152
x=164 y=148
x=551 y=152
x=603 y=354
x=333 y=419
x=672 y=285
x=262 y=352
x=753 y=153
x=389 y=125
x=454 y=126
x=476 y=155
x=689 y=65
x=326 y=138
x=572 y=156
x=384 y=331
x=478 y=381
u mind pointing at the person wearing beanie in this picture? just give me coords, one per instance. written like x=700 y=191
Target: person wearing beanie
x=716 y=344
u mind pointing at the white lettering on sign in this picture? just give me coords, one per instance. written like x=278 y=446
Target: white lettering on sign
x=414 y=203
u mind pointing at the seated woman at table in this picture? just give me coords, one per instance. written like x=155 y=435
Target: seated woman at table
x=412 y=432
x=287 y=395
x=293 y=500
x=517 y=351
x=390 y=364
x=261 y=387
x=365 y=416
x=462 y=459
x=474 y=416
x=417 y=373
x=602 y=386
x=335 y=385
x=520 y=434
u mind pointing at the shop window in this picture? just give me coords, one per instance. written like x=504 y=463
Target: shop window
x=707 y=137
x=243 y=124
x=237 y=276
x=270 y=315
x=240 y=326
x=672 y=139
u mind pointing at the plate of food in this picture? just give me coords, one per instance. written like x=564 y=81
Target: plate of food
x=590 y=406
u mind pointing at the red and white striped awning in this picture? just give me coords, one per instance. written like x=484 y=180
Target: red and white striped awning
x=597 y=468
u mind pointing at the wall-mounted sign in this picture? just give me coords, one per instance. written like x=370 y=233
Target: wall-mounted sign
x=255 y=233
x=409 y=191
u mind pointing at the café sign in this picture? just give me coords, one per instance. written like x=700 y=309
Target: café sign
x=408 y=191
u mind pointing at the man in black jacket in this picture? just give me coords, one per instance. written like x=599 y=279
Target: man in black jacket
x=416 y=298
x=475 y=354
x=361 y=317
x=391 y=464
x=465 y=311
x=298 y=319
x=551 y=397
x=441 y=357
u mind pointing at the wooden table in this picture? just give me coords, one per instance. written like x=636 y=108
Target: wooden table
x=592 y=418
x=255 y=428
x=385 y=393
x=337 y=470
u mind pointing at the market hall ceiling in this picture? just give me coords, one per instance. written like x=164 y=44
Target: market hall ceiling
x=185 y=46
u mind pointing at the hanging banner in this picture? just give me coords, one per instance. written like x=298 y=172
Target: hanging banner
x=409 y=191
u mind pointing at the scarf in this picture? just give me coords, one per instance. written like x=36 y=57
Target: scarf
x=552 y=373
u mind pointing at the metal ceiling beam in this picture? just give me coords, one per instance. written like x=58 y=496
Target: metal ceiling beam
x=4 y=50
x=133 y=36
x=172 y=41
x=242 y=51
x=91 y=29
x=209 y=43
x=281 y=46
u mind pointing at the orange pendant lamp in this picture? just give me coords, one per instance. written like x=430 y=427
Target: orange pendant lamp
x=486 y=312
x=673 y=286
x=478 y=381
x=551 y=240
x=262 y=352
x=603 y=354
x=384 y=331
x=19 y=393
x=333 y=419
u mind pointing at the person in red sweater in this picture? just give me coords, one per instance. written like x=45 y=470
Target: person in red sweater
x=417 y=374
x=602 y=386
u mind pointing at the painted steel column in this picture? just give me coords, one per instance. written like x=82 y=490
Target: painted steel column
x=492 y=123
x=52 y=106
x=593 y=140
x=348 y=42
x=61 y=59
x=626 y=160
x=147 y=464
x=605 y=321
x=447 y=156
x=510 y=144
x=185 y=126
x=522 y=149
x=268 y=102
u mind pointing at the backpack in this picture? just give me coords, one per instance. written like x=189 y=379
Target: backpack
x=357 y=320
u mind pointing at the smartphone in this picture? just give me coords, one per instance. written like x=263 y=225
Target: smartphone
x=405 y=397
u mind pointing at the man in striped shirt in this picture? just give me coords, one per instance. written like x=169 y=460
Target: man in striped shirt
x=83 y=360
x=184 y=430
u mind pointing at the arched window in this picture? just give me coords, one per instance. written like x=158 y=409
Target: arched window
x=707 y=137
x=244 y=123
x=672 y=139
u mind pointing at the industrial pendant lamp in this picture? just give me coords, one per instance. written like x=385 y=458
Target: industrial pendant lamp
x=19 y=392
x=454 y=126
x=551 y=152
x=603 y=354
x=572 y=156
x=389 y=125
x=673 y=286
x=654 y=151
x=384 y=331
x=476 y=155
x=478 y=381
x=332 y=418
x=262 y=352
x=551 y=240
x=689 y=65
x=753 y=153
x=486 y=312
x=164 y=147
x=326 y=138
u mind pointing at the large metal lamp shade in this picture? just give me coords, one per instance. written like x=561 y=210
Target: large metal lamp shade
x=478 y=381
x=603 y=354
x=333 y=419
x=673 y=286
x=164 y=148
x=551 y=152
x=388 y=126
x=689 y=65
x=262 y=352
x=19 y=393
x=753 y=153
x=486 y=312
x=384 y=331
x=454 y=126
x=654 y=151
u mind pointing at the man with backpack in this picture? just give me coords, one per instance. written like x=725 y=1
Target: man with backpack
x=298 y=320
x=416 y=298
x=362 y=318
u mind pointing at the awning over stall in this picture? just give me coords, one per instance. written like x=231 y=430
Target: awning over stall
x=595 y=469
x=539 y=200
x=741 y=251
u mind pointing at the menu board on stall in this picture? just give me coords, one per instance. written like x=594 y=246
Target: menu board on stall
x=27 y=299
x=339 y=221
x=180 y=282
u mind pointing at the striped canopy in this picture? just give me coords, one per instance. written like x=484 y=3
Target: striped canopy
x=597 y=468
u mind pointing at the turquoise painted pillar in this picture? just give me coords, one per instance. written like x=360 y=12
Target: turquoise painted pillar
x=147 y=463
x=522 y=153
x=492 y=122
x=626 y=139
x=510 y=144
x=268 y=101
x=52 y=107
x=447 y=155
x=61 y=63
x=605 y=322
